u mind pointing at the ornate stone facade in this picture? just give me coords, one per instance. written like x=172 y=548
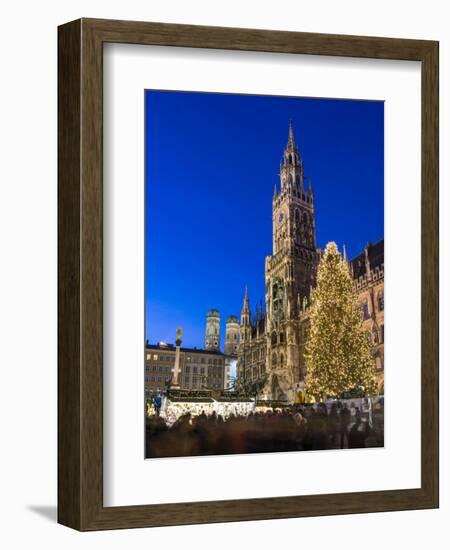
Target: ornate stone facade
x=272 y=343
x=368 y=283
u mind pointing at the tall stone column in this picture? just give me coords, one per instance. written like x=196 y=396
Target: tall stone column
x=177 y=368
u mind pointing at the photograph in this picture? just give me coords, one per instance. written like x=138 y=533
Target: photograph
x=264 y=274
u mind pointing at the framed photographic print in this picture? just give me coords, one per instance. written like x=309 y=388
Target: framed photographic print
x=248 y=274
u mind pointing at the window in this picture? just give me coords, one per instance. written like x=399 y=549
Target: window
x=380 y=300
x=153 y=379
x=365 y=311
x=281 y=337
x=188 y=368
x=274 y=339
x=375 y=335
x=148 y=356
x=382 y=334
x=155 y=358
x=159 y=379
x=274 y=359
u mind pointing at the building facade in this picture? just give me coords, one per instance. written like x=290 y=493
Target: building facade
x=272 y=342
x=367 y=271
x=198 y=369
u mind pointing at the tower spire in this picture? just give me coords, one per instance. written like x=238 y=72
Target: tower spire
x=245 y=312
x=291 y=133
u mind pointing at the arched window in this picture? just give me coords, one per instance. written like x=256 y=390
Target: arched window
x=365 y=311
x=281 y=338
x=305 y=218
x=380 y=300
x=274 y=339
x=290 y=159
x=375 y=335
x=274 y=359
x=378 y=364
x=281 y=359
x=297 y=216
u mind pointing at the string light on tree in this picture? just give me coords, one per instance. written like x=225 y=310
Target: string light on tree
x=338 y=351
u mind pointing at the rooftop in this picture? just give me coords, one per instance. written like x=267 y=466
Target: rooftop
x=375 y=254
x=170 y=347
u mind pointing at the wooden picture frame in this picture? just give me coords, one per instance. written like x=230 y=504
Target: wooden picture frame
x=80 y=272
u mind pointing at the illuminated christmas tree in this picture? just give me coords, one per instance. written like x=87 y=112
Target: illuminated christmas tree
x=338 y=351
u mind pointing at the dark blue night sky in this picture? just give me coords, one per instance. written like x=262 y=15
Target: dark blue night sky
x=211 y=164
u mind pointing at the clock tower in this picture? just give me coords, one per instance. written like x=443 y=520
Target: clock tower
x=290 y=271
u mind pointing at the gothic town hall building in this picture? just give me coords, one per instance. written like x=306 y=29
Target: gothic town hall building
x=272 y=341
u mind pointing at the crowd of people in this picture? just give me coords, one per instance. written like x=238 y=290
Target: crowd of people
x=296 y=428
